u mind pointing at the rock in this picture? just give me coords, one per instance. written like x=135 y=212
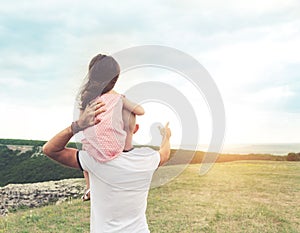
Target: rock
x=33 y=195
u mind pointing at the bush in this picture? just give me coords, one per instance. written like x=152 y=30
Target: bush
x=31 y=166
x=293 y=157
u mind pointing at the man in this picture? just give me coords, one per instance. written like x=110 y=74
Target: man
x=119 y=188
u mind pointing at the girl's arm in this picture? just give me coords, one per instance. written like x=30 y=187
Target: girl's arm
x=133 y=107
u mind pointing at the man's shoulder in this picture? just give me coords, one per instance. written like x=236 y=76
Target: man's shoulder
x=144 y=157
x=144 y=151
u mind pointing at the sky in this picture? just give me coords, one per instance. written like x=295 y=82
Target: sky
x=250 y=49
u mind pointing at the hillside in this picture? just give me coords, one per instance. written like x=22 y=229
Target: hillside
x=22 y=161
x=30 y=165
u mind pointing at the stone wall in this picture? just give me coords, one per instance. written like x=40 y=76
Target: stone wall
x=14 y=196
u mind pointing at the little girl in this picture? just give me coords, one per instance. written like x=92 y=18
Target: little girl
x=105 y=140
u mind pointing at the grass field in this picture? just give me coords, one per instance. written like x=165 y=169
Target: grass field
x=244 y=196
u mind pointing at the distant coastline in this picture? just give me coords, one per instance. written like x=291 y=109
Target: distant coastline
x=242 y=148
x=280 y=149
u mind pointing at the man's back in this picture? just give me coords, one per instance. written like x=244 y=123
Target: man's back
x=119 y=190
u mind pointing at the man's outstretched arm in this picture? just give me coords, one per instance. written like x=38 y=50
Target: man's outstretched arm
x=56 y=148
x=165 y=150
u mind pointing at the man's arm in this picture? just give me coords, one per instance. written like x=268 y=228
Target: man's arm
x=165 y=150
x=56 y=148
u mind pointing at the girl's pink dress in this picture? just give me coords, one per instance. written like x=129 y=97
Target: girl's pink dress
x=106 y=140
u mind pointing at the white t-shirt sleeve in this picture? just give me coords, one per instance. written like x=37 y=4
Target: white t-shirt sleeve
x=85 y=160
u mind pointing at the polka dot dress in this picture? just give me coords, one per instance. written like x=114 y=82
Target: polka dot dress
x=106 y=140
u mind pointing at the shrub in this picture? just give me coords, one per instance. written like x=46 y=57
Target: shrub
x=293 y=157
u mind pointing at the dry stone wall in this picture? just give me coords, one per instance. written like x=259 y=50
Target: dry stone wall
x=14 y=196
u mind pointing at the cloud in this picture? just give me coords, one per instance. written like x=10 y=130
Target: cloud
x=249 y=65
x=272 y=95
x=250 y=48
x=30 y=122
x=248 y=125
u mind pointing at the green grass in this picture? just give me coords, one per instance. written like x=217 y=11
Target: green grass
x=69 y=217
x=245 y=196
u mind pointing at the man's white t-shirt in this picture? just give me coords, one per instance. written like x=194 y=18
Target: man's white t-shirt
x=119 y=190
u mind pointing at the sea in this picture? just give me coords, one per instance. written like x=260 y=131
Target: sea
x=255 y=148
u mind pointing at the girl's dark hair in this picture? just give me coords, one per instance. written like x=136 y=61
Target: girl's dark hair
x=102 y=77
